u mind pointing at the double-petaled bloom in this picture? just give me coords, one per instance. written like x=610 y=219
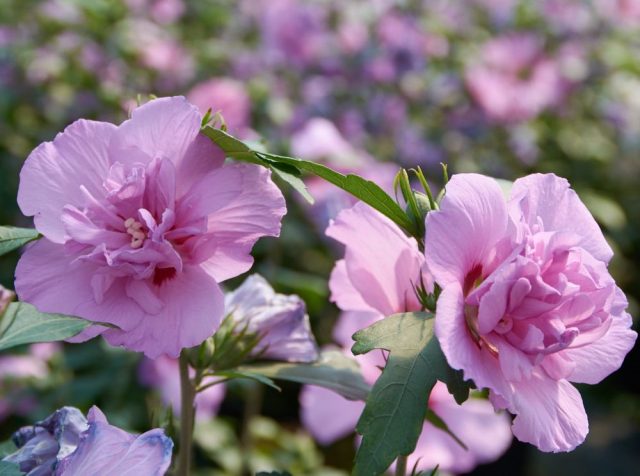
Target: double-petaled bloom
x=527 y=303
x=377 y=278
x=141 y=223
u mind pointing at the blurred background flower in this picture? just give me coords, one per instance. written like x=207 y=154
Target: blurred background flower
x=503 y=87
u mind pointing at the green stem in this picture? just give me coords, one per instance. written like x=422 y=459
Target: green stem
x=401 y=465
x=253 y=403
x=187 y=415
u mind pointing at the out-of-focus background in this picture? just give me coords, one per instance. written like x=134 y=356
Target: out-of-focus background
x=502 y=87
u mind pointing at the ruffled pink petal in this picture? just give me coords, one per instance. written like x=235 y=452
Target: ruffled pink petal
x=327 y=415
x=382 y=263
x=162 y=128
x=549 y=198
x=193 y=307
x=54 y=281
x=550 y=414
x=53 y=174
x=604 y=356
x=458 y=345
x=192 y=303
x=243 y=205
x=462 y=235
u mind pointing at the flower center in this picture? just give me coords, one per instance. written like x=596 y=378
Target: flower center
x=135 y=229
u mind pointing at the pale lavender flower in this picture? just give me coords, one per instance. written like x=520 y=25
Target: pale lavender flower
x=280 y=320
x=105 y=450
x=42 y=446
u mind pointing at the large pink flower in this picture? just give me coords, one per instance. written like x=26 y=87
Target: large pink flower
x=376 y=279
x=141 y=222
x=527 y=305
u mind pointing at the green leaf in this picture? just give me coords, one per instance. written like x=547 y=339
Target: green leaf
x=333 y=370
x=250 y=375
x=236 y=149
x=291 y=175
x=12 y=238
x=365 y=190
x=232 y=147
x=396 y=408
x=6 y=448
x=362 y=189
x=24 y=324
x=9 y=469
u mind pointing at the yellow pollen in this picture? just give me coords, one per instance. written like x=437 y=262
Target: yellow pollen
x=134 y=228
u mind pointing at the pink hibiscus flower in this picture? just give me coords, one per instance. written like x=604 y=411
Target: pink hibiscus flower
x=229 y=97
x=376 y=279
x=141 y=222
x=527 y=305
x=515 y=80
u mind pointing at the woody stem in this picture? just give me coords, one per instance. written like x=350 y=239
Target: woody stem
x=187 y=415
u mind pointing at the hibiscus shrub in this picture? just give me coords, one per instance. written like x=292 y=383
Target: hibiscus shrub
x=306 y=265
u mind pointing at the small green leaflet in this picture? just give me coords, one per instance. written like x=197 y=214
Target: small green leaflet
x=24 y=324
x=9 y=469
x=231 y=374
x=290 y=169
x=6 y=448
x=396 y=408
x=12 y=238
x=333 y=370
x=6 y=468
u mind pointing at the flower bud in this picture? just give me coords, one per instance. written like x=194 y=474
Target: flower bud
x=6 y=297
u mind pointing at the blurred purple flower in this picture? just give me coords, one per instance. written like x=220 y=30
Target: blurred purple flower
x=227 y=96
x=293 y=32
x=281 y=320
x=620 y=12
x=319 y=140
x=105 y=450
x=158 y=50
x=515 y=80
x=163 y=374
x=162 y=11
x=568 y=16
x=42 y=446
x=16 y=371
